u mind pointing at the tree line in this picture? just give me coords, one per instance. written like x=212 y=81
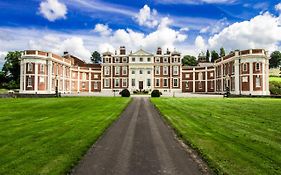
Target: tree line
x=10 y=73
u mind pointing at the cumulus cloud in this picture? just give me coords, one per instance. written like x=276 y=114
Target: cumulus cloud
x=103 y=29
x=278 y=7
x=74 y=45
x=262 y=31
x=195 y=1
x=53 y=10
x=147 y=17
x=216 y=27
x=200 y=43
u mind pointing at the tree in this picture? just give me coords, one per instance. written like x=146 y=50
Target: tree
x=214 y=56
x=208 y=55
x=11 y=70
x=275 y=60
x=189 y=60
x=222 y=52
x=96 y=58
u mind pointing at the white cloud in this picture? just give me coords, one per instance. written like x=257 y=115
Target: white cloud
x=262 y=31
x=216 y=27
x=147 y=17
x=200 y=43
x=278 y=7
x=53 y=10
x=103 y=29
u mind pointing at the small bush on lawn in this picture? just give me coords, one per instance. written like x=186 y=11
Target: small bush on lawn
x=125 y=93
x=275 y=88
x=156 y=93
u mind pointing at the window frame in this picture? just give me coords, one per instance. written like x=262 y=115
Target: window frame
x=157 y=80
x=177 y=80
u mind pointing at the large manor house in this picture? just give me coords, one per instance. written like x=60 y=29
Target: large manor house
x=242 y=72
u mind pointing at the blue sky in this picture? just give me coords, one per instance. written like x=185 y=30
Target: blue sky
x=190 y=26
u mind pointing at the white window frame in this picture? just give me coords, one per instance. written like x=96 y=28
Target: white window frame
x=84 y=76
x=245 y=79
x=258 y=65
x=83 y=85
x=200 y=76
x=200 y=86
x=165 y=70
x=106 y=60
x=117 y=70
x=186 y=85
x=157 y=70
x=157 y=80
x=41 y=80
x=258 y=78
x=211 y=74
x=116 y=82
x=175 y=71
x=95 y=85
x=133 y=82
x=96 y=76
x=106 y=82
x=124 y=70
x=148 y=80
x=176 y=81
x=166 y=82
x=141 y=72
x=117 y=60
x=187 y=75
x=212 y=85
x=124 y=82
x=29 y=82
x=157 y=60
x=165 y=60
x=124 y=59
x=29 y=67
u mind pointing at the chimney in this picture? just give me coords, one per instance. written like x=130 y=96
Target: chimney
x=65 y=53
x=122 y=50
x=159 y=51
x=168 y=52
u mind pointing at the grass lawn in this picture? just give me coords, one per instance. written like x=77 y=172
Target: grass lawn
x=278 y=79
x=49 y=136
x=235 y=136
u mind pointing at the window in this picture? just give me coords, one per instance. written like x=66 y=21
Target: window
x=141 y=59
x=157 y=60
x=106 y=82
x=124 y=59
x=257 y=66
x=186 y=85
x=133 y=82
x=233 y=68
x=157 y=83
x=124 y=82
x=148 y=72
x=165 y=70
x=83 y=85
x=116 y=82
x=117 y=70
x=211 y=84
x=41 y=80
x=124 y=70
x=165 y=60
x=140 y=71
x=61 y=70
x=244 y=79
x=42 y=68
x=165 y=84
x=29 y=67
x=200 y=76
x=57 y=69
x=258 y=81
x=175 y=70
x=245 y=67
x=133 y=72
x=95 y=85
x=106 y=69
x=96 y=76
x=148 y=82
x=117 y=60
x=84 y=76
x=200 y=84
x=175 y=82
x=29 y=82
x=211 y=74
x=187 y=75
x=106 y=60
x=157 y=70
x=148 y=59
x=133 y=59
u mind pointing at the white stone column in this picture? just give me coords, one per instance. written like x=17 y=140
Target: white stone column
x=36 y=78
x=90 y=80
x=251 y=77
x=78 y=80
x=193 y=83
x=21 y=76
x=63 y=78
x=237 y=77
x=24 y=76
x=222 y=78
x=206 y=79
x=215 y=79
x=70 y=80
x=50 y=74
x=267 y=77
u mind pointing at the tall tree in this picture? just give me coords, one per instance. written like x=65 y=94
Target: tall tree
x=275 y=60
x=96 y=58
x=208 y=56
x=189 y=60
x=222 y=52
x=11 y=70
x=214 y=56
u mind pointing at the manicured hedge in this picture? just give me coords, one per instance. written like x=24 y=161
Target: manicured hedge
x=275 y=87
x=125 y=93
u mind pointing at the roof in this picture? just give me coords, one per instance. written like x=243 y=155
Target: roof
x=142 y=52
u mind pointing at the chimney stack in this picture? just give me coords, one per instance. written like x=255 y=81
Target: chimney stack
x=159 y=51
x=122 y=50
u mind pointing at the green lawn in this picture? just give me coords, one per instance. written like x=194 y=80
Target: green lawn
x=49 y=136
x=235 y=136
x=278 y=79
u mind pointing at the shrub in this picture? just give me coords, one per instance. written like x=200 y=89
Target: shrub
x=125 y=93
x=275 y=88
x=156 y=93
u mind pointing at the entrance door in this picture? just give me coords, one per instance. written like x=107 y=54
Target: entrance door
x=140 y=85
